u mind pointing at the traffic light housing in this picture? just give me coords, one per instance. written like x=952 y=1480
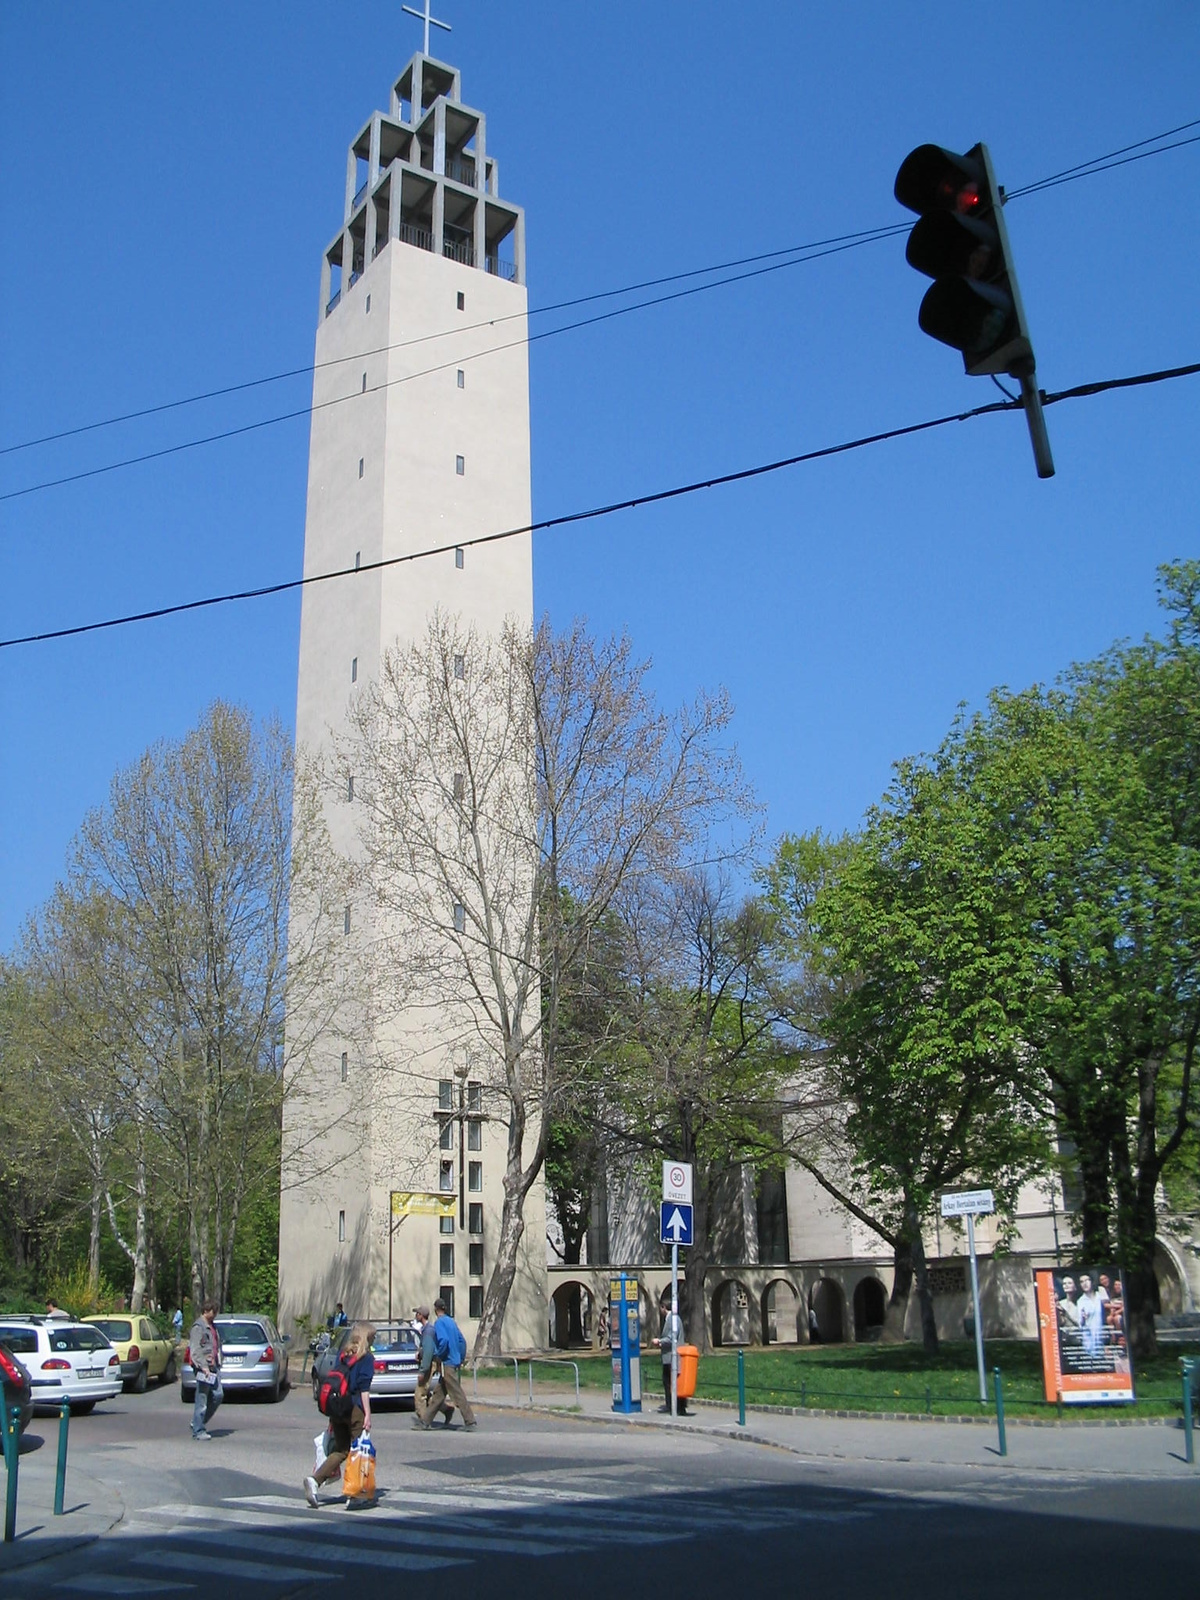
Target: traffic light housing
x=974 y=303
x=960 y=241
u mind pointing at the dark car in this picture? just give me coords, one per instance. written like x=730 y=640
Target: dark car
x=396 y=1348
x=18 y=1390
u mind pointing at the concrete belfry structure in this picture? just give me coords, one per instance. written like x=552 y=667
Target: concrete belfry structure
x=419 y=440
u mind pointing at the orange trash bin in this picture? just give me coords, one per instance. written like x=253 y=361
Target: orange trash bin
x=689 y=1360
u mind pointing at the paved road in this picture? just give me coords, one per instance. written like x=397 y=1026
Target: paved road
x=544 y=1504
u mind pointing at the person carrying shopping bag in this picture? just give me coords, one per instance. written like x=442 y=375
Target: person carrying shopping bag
x=346 y=1400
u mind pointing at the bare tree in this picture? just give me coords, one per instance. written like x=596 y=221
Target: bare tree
x=510 y=787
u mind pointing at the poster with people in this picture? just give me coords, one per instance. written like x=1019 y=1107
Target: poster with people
x=1085 y=1346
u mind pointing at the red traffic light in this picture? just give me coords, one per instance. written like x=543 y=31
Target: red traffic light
x=933 y=179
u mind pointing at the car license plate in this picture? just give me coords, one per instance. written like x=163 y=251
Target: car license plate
x=89 y=1372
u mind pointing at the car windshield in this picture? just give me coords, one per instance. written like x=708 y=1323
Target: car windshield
x=115 y=1328
x=21 y=1341
x=77 y=1339
x=395 y=1339
x=242 y=1333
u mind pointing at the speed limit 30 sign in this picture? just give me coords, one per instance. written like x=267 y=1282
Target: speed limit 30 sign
x=677 y=1182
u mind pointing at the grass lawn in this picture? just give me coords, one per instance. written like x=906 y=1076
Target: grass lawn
x=877 y=1377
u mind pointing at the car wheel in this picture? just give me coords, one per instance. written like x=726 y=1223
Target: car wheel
x=82 y=1407
x=275 y=1394
x=168 y=1372
x=138 y=1386
x=316 y=1387
x=187 y=1396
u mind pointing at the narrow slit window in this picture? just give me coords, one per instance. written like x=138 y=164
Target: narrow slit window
x=474 y=1135
x=474 y=1097
x=446 y=1137
x=462 y=301
x=460 y=466
x=460 y=788
x=475 y=1176
x=354 y=669
x=475 y=1298
x=446 y=1260
x=364 y=387
x=341 y=1227
x=445 y=1094
x=346 y=921
x=460 y=918
x=462 y=379
x=368 y=304
x=350 y=787
x=458 y=557
x=360 y=466
x=446 y=1181
x=474 y=1217
x=476 y=1260
x=357 y=559
x=345 y=1065
x=460 y=667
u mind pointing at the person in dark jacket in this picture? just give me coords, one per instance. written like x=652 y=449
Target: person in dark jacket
x=359 y=1359
x=430 y=1396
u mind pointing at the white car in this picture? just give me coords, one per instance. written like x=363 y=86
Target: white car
x=66 y=1360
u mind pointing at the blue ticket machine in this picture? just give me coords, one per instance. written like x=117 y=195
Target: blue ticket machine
x=625 y=1340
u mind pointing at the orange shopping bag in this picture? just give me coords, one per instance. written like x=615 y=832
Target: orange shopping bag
x=358 y=1475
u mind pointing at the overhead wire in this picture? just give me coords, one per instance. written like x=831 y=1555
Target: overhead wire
x=655 y=497
x=1116 y=158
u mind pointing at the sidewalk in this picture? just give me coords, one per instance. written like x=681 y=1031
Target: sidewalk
x=1142 y=1450
x=90 y=1508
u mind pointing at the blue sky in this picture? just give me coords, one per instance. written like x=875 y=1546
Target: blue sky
x=171 y=175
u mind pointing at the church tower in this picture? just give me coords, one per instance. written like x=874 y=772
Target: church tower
x=419 y=440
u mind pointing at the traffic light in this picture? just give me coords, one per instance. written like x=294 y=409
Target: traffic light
x=974 y=303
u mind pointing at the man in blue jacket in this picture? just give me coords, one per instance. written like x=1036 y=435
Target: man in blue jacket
x=451 y=1349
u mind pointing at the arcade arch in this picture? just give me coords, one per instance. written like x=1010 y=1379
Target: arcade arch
x=731 y=1318
x=828 y=1306
x=870 y=1307
x=782 y=1311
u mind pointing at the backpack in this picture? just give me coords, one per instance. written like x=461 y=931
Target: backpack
x=333 y=1396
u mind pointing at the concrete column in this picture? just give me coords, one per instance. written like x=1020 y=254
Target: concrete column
x=479 y=232
x=347 y=260
x=351 y=186
x=519 y=246
x=439 y=137
x=326 y=278
x=394 y=184
x=439 y=217
x=369 y=236
x=373 y=164
x=480 y=153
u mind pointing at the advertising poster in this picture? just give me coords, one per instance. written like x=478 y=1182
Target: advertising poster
x=1081 y=1324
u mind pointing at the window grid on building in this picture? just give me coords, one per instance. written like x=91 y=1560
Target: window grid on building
x=475 y=1301
x=446 y=1136
x=446 y=1293
x=445 y=1094
x=475 y=1176
x=446 y=1178
x=474 y=1135
x=446 y=1225
x=474 y=1097
x=446 y=1260
x=475 y=1217
x=475 y=1254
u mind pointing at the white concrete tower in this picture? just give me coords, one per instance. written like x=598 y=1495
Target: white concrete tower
x=420 y=438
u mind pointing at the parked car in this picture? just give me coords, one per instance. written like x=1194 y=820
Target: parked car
x=397 y=1350
x=145 y=1352
x=18 y=1391
x=253 y=1356
x=66 y=1360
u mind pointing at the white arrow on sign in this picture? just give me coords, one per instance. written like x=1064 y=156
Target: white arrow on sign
x=676 y=1227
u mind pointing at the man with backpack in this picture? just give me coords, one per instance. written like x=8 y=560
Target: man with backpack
x=451 y=1350
x=344 y=1397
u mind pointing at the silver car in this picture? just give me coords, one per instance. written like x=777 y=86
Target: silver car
x=253 y=1357
x=397 y=1350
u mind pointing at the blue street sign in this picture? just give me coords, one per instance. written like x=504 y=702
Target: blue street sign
x=675 y=1223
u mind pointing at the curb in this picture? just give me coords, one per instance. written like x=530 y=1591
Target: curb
x=954 y=1421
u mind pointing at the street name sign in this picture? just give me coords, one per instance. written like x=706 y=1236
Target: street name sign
x=675 y=1223
x=677 y=1182
x=971 y=1203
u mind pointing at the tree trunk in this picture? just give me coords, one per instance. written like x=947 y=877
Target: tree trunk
x=897 y=1306
x=93 y=1265
x=929 y=1333
x=495 y=1300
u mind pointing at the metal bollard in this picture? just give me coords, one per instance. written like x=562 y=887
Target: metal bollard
x=60 y=1475
x=1000 y=1411
x=1189 y=1448
x=741 y=1389
x=12 y=1443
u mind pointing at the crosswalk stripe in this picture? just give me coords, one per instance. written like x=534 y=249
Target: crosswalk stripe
x=120 y=1583
x=215 y=1565
x=334 y=1550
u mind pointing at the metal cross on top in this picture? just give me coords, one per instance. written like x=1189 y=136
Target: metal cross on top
x=424 y=16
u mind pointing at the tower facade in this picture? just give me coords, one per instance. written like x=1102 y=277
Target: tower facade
x=419 y=440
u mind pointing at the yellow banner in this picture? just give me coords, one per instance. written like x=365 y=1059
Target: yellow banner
x=408 y=1203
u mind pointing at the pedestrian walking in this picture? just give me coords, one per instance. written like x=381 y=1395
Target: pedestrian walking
x=352 y=1418
x=672 y=1335
x=205 y=1344
x=430 y=1396
x=451 y=1350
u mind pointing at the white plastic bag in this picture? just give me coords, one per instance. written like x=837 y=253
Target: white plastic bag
x=320 y=1450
